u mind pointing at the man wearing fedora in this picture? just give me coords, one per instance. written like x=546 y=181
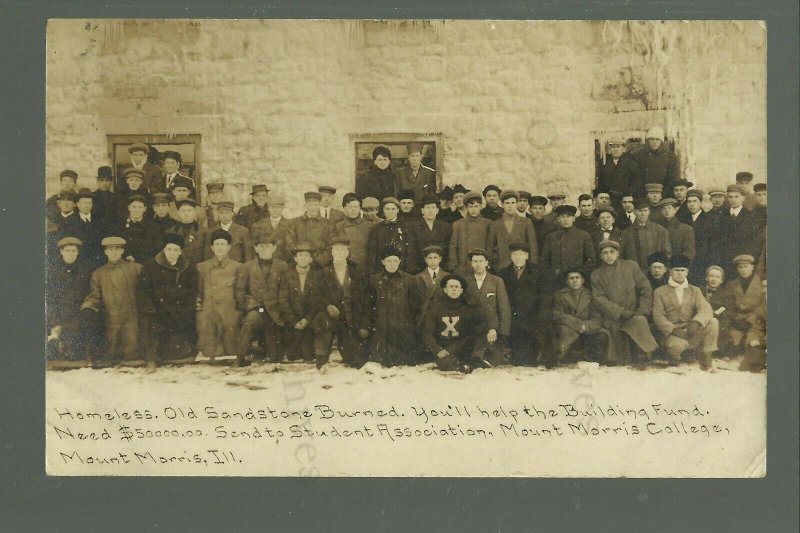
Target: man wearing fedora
x=326 y=209
x=102 y=197
x=256 y=210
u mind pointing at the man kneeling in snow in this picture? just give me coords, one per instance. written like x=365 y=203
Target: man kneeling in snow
x=453 y=327
x=683 y=316
x=578 y=319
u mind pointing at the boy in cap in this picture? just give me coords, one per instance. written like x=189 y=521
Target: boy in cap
x=369 y=209
x=429 y=230
x=493 y=210
x=294 y=291
x=744 y=179
x=102 y=197
x=112 y=289
x=355 y=228
x=408 y=210
x=326 y=210
x=257 y=292
x=537 y=217
x=568 y=246
x=489 y=292
x=624 y=298
x=454 y=327
x=218 y=313
x=215 y=194
x=151 y=174
x=683 y=317
x=586 y=220
x=606 y=229
x=312 y=229
x=654 y=196
x=195 y=237
x=657 y=270
x=468 y=233
x=530 y=295
x=390 y=232
x=165 y=296
x=511 y=228
x=396 y=299
x=241 y=244
x=415 y=176
x=738 y=228
x=657 y=162
x=141 y=236
x=275 y=223
x=133 y=186
x=681 y=236
x=340 y=308
x=66 y=286
x=161 y=211
x=256 y=210
x=379 y=181
x=577 y=319
x=750 y=301
x=644 y=236
x=67 y=180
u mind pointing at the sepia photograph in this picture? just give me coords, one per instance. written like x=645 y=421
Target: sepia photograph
x=406 y=248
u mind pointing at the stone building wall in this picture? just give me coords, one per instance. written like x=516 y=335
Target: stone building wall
x=517 y=103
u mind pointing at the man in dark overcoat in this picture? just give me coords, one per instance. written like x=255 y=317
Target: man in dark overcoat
x=390 y=232
x=429 y=231
x=656 y=162
x=568 y=246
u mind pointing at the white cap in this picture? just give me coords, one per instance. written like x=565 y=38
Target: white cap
x=656 y=132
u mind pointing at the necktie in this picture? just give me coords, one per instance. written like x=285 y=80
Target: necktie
x=434 y=278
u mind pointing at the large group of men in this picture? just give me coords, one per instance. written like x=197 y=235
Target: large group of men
x=406 y=274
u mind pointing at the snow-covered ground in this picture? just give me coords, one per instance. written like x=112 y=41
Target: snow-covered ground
x=292 y=419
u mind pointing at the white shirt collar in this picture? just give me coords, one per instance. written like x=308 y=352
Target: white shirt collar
x=736 y=210
x=227 y=226
x=683 y=285
x=695 y=216
x=480 y=277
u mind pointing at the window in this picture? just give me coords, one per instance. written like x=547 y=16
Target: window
x=396 y=143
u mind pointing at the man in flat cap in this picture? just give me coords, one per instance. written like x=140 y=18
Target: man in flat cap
x=750 y=301
x=195 y=237
x=326 y=209
x=606 y=227
x=457 y=209
x=395 y=303
x=657 y=162
x=681 y=236
x=468 y=233
x=680 y=190
x=537 y=217
x=738 y=228
x=112 y=290
x=152 y=178
x=657 y=264
x=142 y=237
x=415 y=176
x=493 y=210
x=390 y=232
x=182 y=189
x=257 y=293
x=524 y=204
x=67 y=220
x=556 y=199
x=428 y=230
x=241 y=244
x=745 y=179
x=683 y=317
x=568 y=246
x=578 y=320
x=275 y=223
x=586 y=220
x=67 y=180
x=511 y=228
x=312 y=229
x=172 y=166
x=409 y=214
x=454 y=327
x=133 y=186
x=489 y=292
x=340 y=308
x=370 y=208
x=256 y=210
x=215 y=194
x=530 y=295
x=619 y=174
x=644 y=237
x=654 y=196
x=624 y=298
x=166 y=296
x=294 y=290
x=102 y=197
x=66 y=287
x=379 y=181
x=162 y=219
x=219 y=313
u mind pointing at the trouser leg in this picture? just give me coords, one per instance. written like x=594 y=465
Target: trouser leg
x=596 y=345
x=251 y=323
x=273 y=339
x=350 y=348
x=324 y=329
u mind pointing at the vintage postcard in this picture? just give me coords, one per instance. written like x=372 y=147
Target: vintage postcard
x=406 y=248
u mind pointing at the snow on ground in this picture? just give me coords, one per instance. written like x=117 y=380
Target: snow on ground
x=688 y=422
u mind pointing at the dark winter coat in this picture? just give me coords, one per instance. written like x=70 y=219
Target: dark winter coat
x=355 y=309
x=66 y=286
x=258 y=287
x=422 y=236
x=384 y=234
x=661 y=166
x=395 y=304
x=377 y=183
